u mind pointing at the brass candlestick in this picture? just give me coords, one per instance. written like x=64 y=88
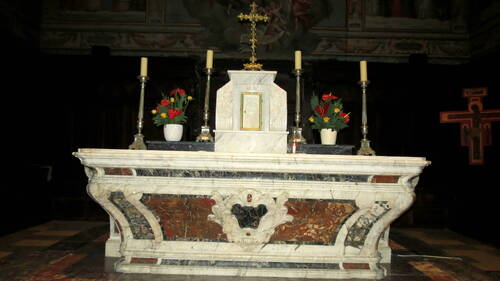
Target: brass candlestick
x=296 y=136
x=253 y=17
x=365 y=148
x=205 y=135
x=139 y=138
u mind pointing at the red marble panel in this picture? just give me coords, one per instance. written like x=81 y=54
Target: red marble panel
x=356 y=265
x=144 y=260
x=385 y=179
x=314 y=221
x=184 y=217
x=118 y=171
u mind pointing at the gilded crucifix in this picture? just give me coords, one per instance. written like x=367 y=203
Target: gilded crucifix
x=253 y=17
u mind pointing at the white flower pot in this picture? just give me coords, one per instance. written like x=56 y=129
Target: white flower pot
x=172 y=132
x=328 y=136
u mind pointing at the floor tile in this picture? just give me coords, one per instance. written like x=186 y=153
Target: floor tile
x=57 y=232
x=395 y=245
x=433 y=272
x=4 y=254
x=432 y=239
x=74 y=251
x=35 y=243
x=482 y=260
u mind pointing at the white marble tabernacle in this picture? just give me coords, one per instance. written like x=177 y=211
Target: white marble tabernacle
x=250 y=214
x=251 y=114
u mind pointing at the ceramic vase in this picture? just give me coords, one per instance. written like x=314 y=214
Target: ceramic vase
x=328 y=136
x=173 y=132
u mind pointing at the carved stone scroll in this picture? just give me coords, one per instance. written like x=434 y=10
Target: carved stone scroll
x=249 y=217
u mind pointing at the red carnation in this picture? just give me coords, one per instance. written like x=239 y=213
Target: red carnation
x=179 y=91
x=346 y=117
x=329 y=96
x=165 y=102
x=172 y=113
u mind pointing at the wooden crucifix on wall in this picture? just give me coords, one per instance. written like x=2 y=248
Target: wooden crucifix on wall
x=475 y=123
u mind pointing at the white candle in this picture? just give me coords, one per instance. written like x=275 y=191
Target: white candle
x=363 y=71
x=298 y=60
x=210 y=58
x=144 y=67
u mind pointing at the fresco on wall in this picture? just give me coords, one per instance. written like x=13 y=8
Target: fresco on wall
x=486 y=27
x=103 y=5
x=344 y=29
x=101 y=10
x=290 y=26
x=421 y=9
x=435 y=15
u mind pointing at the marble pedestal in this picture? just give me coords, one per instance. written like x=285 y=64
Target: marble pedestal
x=235 y=214
x=251 y=114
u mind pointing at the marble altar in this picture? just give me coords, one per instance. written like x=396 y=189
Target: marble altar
x=250 y=214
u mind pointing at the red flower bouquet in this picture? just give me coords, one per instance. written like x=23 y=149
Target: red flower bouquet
x=328 y=113
x=172 y=108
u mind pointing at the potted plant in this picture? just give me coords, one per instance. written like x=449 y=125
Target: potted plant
x=171 y=113
x=328 y=117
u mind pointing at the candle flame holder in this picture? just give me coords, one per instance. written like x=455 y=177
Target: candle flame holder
x=365 y=148
x=138 y=143
x=205 y=135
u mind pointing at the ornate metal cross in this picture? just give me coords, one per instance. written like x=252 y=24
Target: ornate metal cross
x=253 y=17
x=475 y=124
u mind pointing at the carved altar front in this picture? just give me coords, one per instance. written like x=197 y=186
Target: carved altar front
x=237 y=214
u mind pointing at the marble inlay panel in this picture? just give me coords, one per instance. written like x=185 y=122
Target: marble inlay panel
x=118 y=171
x=252 y=264
x=359 y=230
x=385 y=179
x=138 y=224
x=249 y=175
x=144 y=260
x=184 y=217
x=314 y=221
x=356 y=265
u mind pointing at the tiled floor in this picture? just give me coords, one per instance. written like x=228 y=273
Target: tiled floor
x=74 y=251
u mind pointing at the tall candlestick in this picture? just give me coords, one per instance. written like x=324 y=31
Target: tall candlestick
x=210 y=59
x=139 y=137
x=298 y=60
x=363 y=71
x=205 y=135
x=365 y=148
x=144 y=67
x=296 y=137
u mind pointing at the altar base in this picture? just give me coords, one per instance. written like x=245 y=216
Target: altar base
x=235 y=214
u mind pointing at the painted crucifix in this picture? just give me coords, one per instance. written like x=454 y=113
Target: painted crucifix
x=475 y=124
